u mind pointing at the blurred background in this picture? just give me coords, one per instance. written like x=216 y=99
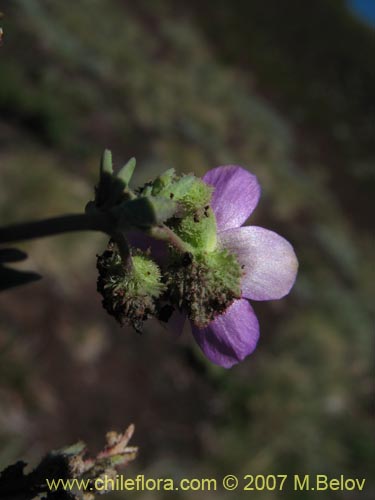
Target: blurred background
x=285 y=89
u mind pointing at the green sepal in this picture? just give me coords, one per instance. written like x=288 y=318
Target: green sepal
x=163 y=182
x=204 y=284
x=198 y=230
x=126 y=172
x=190 y=192
x=113 y=189
x=106 y=166
x=180 y=188
x=144 y=212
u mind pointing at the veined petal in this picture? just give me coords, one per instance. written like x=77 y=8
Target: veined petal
x=270 y=264
x=230 y=337
x=236 y=194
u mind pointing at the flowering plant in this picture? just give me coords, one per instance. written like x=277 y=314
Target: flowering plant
x=178 y=250
x=268 y=263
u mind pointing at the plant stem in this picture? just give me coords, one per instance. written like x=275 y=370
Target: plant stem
x=54 y=225
x=123 y=249
x=164 y=233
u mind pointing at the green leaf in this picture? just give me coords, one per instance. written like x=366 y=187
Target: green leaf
x=126 y=172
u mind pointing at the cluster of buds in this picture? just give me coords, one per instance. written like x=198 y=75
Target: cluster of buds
x=141 y=277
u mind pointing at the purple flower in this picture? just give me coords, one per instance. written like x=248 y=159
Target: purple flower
x=269 y=263
x=268 y=260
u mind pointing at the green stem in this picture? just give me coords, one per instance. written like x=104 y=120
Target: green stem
x=123 y=249
x=84 y=222
x=164 y=233
x=54 y=225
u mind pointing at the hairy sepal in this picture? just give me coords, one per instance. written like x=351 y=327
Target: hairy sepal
x=204 y=285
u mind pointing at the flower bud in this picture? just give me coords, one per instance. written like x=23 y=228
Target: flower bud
x=129 y=289
x=199 y=230
x=188 y=191
x=204 y=284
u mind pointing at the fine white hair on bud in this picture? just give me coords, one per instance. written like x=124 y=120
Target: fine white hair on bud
x=204 y=284
x=130 y=290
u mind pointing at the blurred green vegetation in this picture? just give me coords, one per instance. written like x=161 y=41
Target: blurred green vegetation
x=282 y=88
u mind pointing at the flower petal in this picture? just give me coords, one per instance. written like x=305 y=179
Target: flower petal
x=236 y=194
x=270 y=264
x=230 y=337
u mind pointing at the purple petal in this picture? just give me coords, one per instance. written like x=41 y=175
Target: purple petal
x=235 y=196
x=230 y=337
x=270 y=262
